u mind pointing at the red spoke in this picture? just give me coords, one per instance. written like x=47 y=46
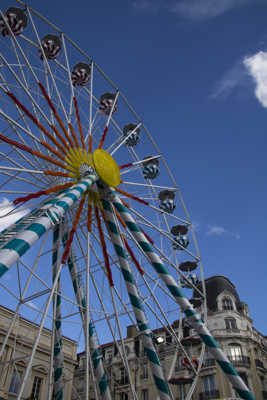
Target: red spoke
x=33 y=152
x=125 y=165
x=89 y=218
x=73 y=230
x=103 y=137
x=55 y=114
x=41 y=193
x=73 y=135
x=131 y=196
x=104 y=247
x=79 y=122
x=35 y=121
x=58 y=173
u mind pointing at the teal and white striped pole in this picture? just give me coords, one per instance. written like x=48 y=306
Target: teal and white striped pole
x=98 y=365
x=54 y=210
x=136 y=302
x=99 y=370
x=58 y=350
x=193 y=317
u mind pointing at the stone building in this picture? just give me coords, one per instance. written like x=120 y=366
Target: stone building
x=229 y=322
x=16 y=356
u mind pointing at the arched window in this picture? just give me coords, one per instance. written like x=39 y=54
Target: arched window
x=235 y=352
x=227 y=304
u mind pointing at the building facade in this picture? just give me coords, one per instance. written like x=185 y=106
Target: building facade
x=228 y=321
x=16 y=355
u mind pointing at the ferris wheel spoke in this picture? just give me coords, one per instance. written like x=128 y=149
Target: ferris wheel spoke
x=88 y=331
x=132 y=388
x=122 y=141
x=24 y=87
x=161 y=231
x=36 y=342
x=26 y=84
x=14 y=124
x=69 y=74
x=47 y=65
x=19 y=178
x=108 y=121
x=149 y=185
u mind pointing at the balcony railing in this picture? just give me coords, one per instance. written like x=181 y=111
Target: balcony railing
x=259 y=363
x=211 y=394
x=239 y=360
x=124 y=381
x=210 y=362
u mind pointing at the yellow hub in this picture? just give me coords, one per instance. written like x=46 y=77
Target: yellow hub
x=106 y=167
x=76 y=158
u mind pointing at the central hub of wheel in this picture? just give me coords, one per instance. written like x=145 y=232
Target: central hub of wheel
x=106 y=167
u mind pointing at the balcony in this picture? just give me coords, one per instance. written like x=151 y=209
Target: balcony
x=212 y=394
x=210 y=362
x=264 y=394
x=240 y=361
x=124 y=381
x=259 y=363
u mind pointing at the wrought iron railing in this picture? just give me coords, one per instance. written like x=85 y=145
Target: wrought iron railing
x=211 y=394
x=239 y=360
x=210 y=362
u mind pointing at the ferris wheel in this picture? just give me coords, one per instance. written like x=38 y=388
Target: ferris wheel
x=100 y=238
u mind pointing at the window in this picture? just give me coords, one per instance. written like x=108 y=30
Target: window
x=230 y=323
x=182 y=392
x=36 y=388
x=124 y=377
x=145 y=394
x=235 y=352
x=243 y=375
x=123 y=396
x=227 y=304
x=137 y=346
x=208 y=383
x=145 y=370
x=168 y=338
x=15 y=381
x=109 y=354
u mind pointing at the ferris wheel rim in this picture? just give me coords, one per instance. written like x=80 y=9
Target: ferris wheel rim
x=135 y=156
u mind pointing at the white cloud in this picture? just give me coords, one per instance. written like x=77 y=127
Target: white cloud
x=217 y=230
x=234 y=77
x=205 y=9
x=7 y=207
x=257 y=68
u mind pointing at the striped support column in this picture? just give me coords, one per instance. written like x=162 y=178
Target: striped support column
x=54 y=210
x=193 y=317
x=99 y=370
x=98 y=365
x=58 y=351
x=136 y=302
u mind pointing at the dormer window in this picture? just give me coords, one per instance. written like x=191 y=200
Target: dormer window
x=227 y=304
x=230 y=324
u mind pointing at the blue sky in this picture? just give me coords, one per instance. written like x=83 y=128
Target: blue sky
x=196 y=72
